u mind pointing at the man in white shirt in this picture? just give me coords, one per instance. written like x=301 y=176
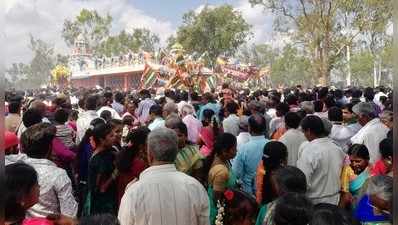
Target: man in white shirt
x=231 y=122
x=293 y=137
x=373 y=131
x=162 y=195
x=107 y=105
x=85 y=118
x=380 y=93
x=340 y=133
x=155 y=113
x=321 y=161
x=244 y=135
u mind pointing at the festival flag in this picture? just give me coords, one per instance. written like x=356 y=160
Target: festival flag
x=212 y=82
x=148 y=77
x=173 y=82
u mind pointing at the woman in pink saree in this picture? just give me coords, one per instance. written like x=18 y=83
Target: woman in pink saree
x=208 y=132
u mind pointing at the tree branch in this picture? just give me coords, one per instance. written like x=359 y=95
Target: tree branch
x=286 y=13
x=304 y=10
x=347 y=43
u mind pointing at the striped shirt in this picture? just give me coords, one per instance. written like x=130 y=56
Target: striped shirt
x=66 y=135
x=143 y=109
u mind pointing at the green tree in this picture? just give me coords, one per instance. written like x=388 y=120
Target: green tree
x=139 y=39
x=16 y=75
x=325 y=27
x=291 y=68
x=38 y=71
x=171 y=40
x=61 y=59
x=217 y=31
x=376 y=37
x=42 y=62
x=362 y=68
x=93 y=26
x=259 y=55
x=145 y=39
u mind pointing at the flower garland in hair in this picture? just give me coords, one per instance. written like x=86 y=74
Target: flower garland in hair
x=228 y=195
x=220 y=213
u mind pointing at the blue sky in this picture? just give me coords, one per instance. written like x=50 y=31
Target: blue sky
x=44 y=19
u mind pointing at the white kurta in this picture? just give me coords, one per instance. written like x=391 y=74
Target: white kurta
x=371 y=135
x=293 y=138
x=321 y=161
x=242 y=138
x=83 y=123
x=341 y=135
x=157 y=123
x=164 y=196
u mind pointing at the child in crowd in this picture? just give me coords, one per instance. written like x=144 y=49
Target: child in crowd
x=64 y=132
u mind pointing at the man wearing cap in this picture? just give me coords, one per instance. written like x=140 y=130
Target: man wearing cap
x=373 y=131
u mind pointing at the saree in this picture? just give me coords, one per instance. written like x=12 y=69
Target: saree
x=98 y=202
x=261 y=215
x=357 y=183
x=368 y=215
x=231 y=183
x=207 y=136
x=188 y=159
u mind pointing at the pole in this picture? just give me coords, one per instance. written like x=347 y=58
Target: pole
x=348 y=66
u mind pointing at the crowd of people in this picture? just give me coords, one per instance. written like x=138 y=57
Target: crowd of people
x=283 y=157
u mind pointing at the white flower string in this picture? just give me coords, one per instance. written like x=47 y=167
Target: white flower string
x=220 y=213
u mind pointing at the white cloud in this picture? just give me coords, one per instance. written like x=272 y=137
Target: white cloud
x=260 y=19
x=201 y=7
x=44 y=19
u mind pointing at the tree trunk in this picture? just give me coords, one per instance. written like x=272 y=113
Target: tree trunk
x=348 y=66
x=379 y=77
x=375 y=73
x=324 y=69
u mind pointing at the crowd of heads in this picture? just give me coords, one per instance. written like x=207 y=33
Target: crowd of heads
x=299 y=108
